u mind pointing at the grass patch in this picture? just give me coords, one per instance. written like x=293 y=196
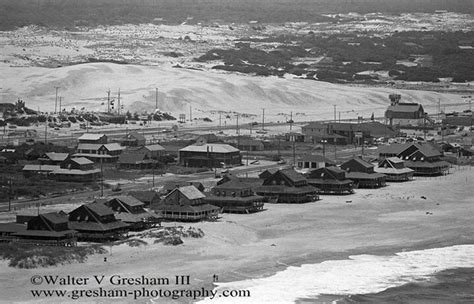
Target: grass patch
x=30 y=256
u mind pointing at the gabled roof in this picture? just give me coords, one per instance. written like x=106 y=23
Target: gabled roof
x=405 y=107
x=144 y=196
x=83 y=146
x=393 y=148
x=427 y=149
x=360 y=161
x=54 y=156
x=91 y=136
x=233 y=183
x=113 y=147
x=267 y=173
x=213 y=148
x=82 y=161
x=190 y=192
x=129 y=200
x=154 y=147
x=292 y=175
x=55 y=217
x=134 y=135
x=99 y=208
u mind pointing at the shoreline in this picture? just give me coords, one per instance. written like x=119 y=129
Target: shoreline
x=238 y=247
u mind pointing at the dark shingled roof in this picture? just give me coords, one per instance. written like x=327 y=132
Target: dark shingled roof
x=128 y=200
x=99 y=208
x=293 y=175
x=404 y=107
x=143 y=196
x=359 y=160
x=55 y=217
x=11 y=227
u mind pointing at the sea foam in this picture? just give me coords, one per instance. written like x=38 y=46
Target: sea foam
x=360 y=274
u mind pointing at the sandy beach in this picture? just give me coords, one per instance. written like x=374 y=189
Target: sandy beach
x=382 y=221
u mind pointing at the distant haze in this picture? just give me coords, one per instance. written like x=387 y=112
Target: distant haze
x=64 y=13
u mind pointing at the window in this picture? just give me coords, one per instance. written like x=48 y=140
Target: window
x=233 y=194
x=218 y=193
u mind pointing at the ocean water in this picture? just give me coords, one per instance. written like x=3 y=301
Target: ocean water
x=439 y=275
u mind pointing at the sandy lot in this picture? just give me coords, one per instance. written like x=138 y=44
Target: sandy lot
x=237 y=247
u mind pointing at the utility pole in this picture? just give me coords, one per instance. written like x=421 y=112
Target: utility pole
x=56 y=102
x=294 y=152
x=291 y=120
x=156 y=99
x=10 y=194
x=237 y=130
x=439 y=109
x=220 y=121
x=118 y=102
x=46 y=132
x=263 y=119
x=153 y=172
x=190 y=114
x=101 y=179
x=335 y=120
x=60 y=104
x=108 y=101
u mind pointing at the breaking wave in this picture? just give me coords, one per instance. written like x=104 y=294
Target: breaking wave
x=359 y=274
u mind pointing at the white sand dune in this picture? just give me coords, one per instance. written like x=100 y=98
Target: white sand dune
x=85 y=85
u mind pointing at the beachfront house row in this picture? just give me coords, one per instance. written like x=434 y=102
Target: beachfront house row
x=186 y=204
x=331 y=180
x=209 y=155
x=424 y=158
x=363 y=173
x=235 y=196
x=394 y=170
x=287 y=186
x=96 y=222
